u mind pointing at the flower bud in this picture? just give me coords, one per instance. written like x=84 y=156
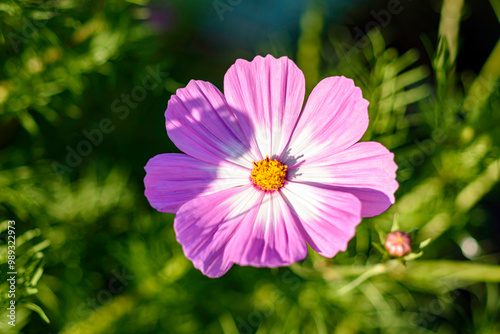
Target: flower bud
x=398 y=243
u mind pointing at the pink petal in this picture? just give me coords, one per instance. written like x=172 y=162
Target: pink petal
x=328 y=217
x=173 y=179
x=334 y=118
x=272 y=239
x=240 y=225
x=205 y=225
x=366 y=169
x=200 y=124
x=270 y=93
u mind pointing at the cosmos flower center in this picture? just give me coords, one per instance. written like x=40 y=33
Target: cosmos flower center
x=268 y=174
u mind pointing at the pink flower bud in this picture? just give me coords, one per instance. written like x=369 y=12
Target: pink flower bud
x=398 y=243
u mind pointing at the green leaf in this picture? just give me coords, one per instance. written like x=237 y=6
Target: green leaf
x=458 y=270
x=395 y=223
x=413 y=256
x=36 y=277
x=38 y=310
x=381 y=234
x=424 y=243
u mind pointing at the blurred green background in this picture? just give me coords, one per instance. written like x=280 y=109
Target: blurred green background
x=83 y=90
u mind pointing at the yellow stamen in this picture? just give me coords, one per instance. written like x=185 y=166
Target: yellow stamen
x=269 y=174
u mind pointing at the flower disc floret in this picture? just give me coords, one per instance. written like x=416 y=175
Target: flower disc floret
x=269 y=174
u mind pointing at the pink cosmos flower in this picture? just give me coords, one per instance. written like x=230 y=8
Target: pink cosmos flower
x=260 y=180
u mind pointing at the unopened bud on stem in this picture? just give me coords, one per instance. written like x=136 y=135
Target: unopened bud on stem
x=398 y=243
